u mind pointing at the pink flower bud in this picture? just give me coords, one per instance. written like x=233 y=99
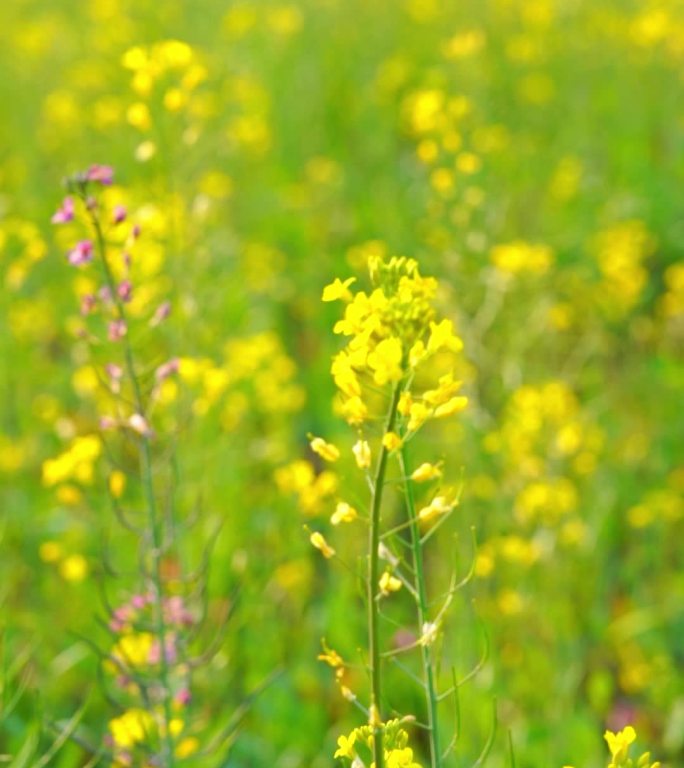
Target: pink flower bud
x=65 y=212
x=88 y=303
x=81 y=253
x=119 y=214
x=183 y=697
x=116 y=330
x=114 y=371
x=102 y=174
x=166 y=369
x=125 y=290
x=161 y=313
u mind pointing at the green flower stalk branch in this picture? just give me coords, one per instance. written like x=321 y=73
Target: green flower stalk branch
x=374 y=591
x=423 y=617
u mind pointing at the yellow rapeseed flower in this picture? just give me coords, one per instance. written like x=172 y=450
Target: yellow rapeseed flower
x=618 y=743
x=344 y=513
x=318 y=541
x=326 y=451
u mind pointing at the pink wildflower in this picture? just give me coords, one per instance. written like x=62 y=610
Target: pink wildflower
x=175 y=611
x=115 y=373
x=65 y=212
x=166 y=369
x=88 y=303
x=105 y=294
x=183 y=697
x=119 y=214
x=154 y=656
x=117 y=330
x=104 y=174
x=161 y=313
x=125 y=290
x=138 y=601
x=81 y=253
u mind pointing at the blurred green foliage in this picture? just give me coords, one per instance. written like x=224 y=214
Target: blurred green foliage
x=529 y=154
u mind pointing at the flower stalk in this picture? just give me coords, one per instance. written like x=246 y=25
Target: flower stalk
x=422 y=605
x=374 y=592
x=154 y=521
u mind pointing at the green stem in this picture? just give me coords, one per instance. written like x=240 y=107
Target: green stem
x=423 y=618
x=374 y=589
x=146 y=476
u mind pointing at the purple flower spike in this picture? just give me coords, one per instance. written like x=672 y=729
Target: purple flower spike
x=103 y=174
x=81 y=253
x=65 y=212
x=119 y=214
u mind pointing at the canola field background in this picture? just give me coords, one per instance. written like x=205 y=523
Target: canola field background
x=530 y=156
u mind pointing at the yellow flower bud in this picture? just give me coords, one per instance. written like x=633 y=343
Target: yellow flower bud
x=319 y=542
x=426 y=472
x=344 y=513
x=391 y=441
x=362 y=454
x=325 y=450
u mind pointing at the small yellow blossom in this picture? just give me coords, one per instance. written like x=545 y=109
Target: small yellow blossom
x=455 y=405
x=330 y=656
x=425 y=472
x=117 y=483
x=134 y=649
x=325 y=450
x=74 y=568
x=417 y=354
x=344 y=375
x=385 y=361
x=187 y=746
x=345 y=746
x=389 y=583
x=319 y=542
x=391 y=441
x=338 y=290
x=362 y=454
x=419 y=414
x=354 y=411
x=442 y=337
x=131 y=728
x=438 y=506
x=344 y=513
x=618 y=743
x=405 y=403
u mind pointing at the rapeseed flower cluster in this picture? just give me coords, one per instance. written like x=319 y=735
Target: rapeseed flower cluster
x=392 y=332
x=620 y=744
x=355 y=749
